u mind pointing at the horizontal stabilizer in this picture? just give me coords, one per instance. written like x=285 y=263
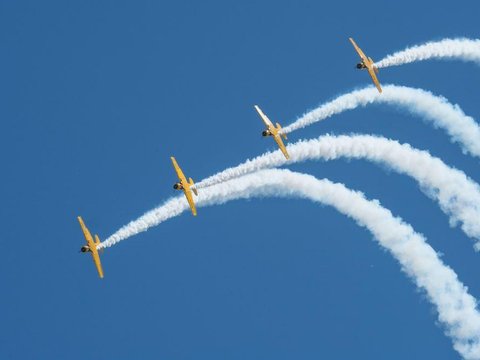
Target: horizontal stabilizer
x=91 y=247
x=192 y=184
x=97 y=242
x=373 y=65
x=279 y=128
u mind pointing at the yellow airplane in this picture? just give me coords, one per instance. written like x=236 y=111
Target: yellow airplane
x=91 y=247
x=273 y=131
x=367 y=63
x=186 y=186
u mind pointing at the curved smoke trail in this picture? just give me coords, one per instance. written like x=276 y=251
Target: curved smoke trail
x=462 y=49
x=436 y=109
x=457 y=195
x=456 y=307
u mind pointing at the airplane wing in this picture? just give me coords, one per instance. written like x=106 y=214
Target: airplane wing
x=86 y=233
x=358 y=50
x=93 y=247
x=264 y=117
x=281 y=145
x=179 y=171
x=374 y=78
x=98 y=264
x=188 y=195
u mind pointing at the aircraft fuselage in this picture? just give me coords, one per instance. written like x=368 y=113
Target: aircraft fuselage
x=85 y=249
x=361 y=66
x=178 y=186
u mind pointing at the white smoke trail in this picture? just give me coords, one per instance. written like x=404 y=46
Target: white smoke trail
x=461 y=49
x=456 y=307
x=457 y=195
x=436 y=109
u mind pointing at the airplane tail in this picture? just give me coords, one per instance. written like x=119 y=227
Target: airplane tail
x=192 y=184
x=97 y=242
x=279 y=128
x=373 y=65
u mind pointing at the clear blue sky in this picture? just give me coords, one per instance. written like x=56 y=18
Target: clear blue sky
x=95 y=97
